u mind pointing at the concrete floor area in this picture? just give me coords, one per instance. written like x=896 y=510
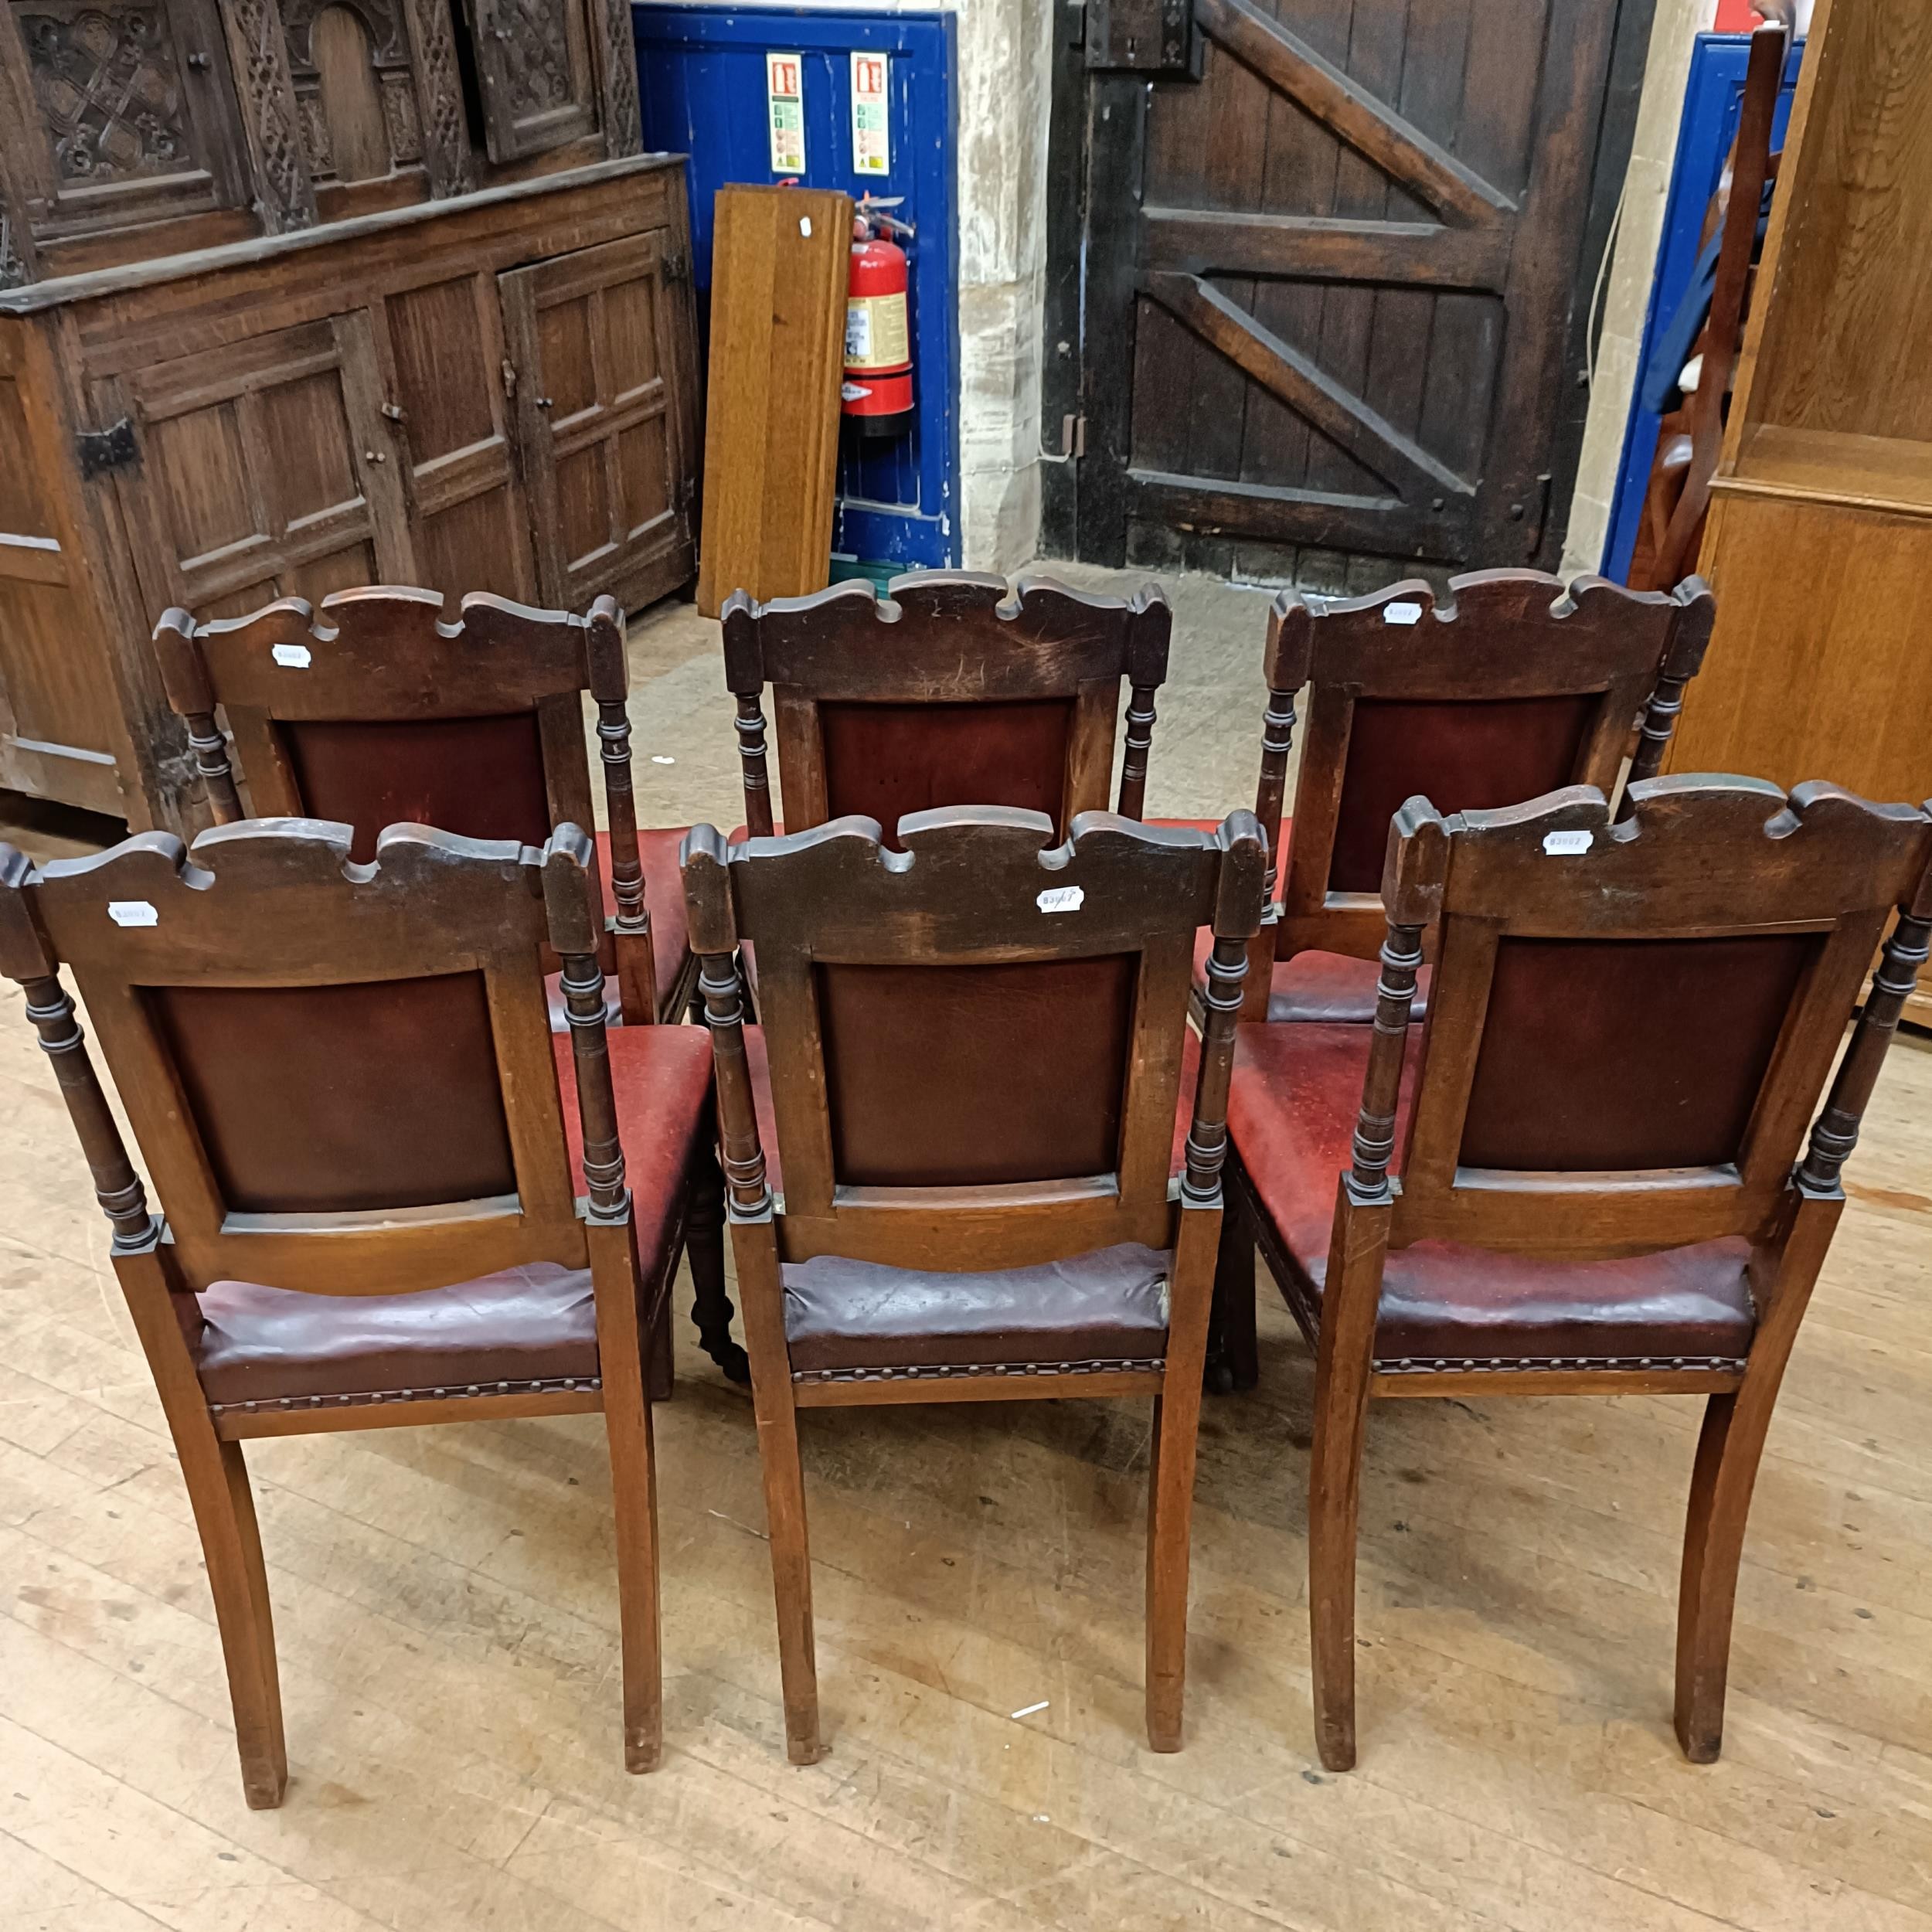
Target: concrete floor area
x=446 y=1614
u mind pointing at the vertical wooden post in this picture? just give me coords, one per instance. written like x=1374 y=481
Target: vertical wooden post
x=570 y=898
x=610 y=680
x=1364 y=1211
x=1290 y=644
x=1150 y=629
x=1238 y=899
x=745 y=677
x=754 y=1243
x=1683 y=657
x=184 y=677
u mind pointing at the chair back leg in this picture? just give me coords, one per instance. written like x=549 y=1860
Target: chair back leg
x=634 y=1487
x=1728 y=1450
x=711 y=1309
x=1234 y=1359
x=755 y=1247
x=1177 y=1419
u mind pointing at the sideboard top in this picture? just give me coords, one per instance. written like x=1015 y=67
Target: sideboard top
x=66 y=291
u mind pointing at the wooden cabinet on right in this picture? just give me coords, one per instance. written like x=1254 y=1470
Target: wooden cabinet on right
x=1819 y=546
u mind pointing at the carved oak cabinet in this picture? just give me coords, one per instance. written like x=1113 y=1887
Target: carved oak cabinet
x=296 y=295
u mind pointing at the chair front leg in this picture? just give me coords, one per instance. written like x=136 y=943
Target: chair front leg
x=1344 y=1364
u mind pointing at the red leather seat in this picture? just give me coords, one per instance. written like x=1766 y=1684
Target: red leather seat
x=843 y=1318
x=1323 y=989
x=537 y=1324
x=1292 y=1115
x=520 y=1326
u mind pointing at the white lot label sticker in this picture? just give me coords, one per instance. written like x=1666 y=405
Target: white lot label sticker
x=871 y=136
x=132 y=912
x=1561 y=845
x=1402 y=613
x=804 y=226
x=294 y=656
x=1062 y=899
x=785 y=107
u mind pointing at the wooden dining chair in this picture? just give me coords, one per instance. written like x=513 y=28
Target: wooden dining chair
x=949 y=690
x=1514 y=686
x=376 y=709
x=378 y=1212
x=1690 y=438
x=975 y=1069
x=1582 y=1176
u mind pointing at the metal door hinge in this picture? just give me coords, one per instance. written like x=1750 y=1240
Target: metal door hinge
x=112 y=448
x=687 y=492
x=676 y=268
x=1145 y=36
x=1072 y=441
x=509 y=379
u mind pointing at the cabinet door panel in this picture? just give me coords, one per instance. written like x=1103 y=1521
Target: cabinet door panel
x=533 y=61
x=264 y=472
x=441 y=352
x=594 y=340
x=59 y=731
x=138 y=120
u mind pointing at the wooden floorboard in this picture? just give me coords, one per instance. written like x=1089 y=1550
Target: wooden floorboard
x=447 y=1621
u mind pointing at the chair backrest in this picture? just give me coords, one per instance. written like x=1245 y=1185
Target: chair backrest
x=949 y=690
x=1734 y=214
x=975 y=1042
x=374 y=710
x=1632 y=1022
x=340 y=1077
x=1513 y=687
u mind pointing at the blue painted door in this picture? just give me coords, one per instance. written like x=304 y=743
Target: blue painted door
x=702 y=71
x=1712 y=98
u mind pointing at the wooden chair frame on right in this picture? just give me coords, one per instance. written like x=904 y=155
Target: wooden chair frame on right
x=1596 y=1134
x=1513 y=686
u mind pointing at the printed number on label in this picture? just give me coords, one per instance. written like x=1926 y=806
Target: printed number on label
x=295 y=656
x=1561 y=845
x=132 y=912
x=1061 y=899
x=1404 y=613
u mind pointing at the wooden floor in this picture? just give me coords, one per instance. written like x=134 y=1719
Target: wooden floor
x=447 y=1633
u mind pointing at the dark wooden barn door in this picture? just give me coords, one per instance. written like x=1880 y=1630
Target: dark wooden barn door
x=1329 y=284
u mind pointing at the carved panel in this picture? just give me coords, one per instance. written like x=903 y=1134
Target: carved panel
x=13 y=266
x=399 y=117
x=623 y=123
x=283 y=191
x=533 y=60
x=109 y=86
x=390 y=61
x=535 y=53
x=443 y=123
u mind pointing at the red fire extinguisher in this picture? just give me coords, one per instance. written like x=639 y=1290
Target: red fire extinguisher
x=877 y=395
